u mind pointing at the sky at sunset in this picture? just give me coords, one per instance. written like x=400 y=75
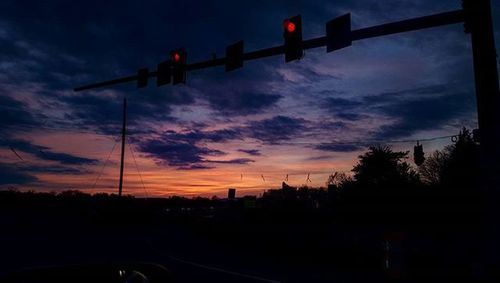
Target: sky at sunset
x=245 y=129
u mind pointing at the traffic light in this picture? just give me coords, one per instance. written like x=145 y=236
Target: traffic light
x=418 y=154
x=164 y=73
x=292 y=32
x=338 y=33
x=142 y=77
x=179 y=66
x=234 y=56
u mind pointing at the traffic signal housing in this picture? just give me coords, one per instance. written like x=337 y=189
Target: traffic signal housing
x=418 y=154
x=234 y=56
x=338 y=33
x=164 y=73
x=292 y=33
x=142 y=77
x=476 y=136
x=178 y=58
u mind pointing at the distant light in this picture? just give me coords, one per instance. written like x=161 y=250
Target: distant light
x=177 y=57
x=290 y=26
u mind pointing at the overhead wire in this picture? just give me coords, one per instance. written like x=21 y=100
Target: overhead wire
x=138 y=171
x=15 y=152
x=104 y=165
x=353 y=142
x=41 y=127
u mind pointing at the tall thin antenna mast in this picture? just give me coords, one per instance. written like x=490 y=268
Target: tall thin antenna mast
x=123 y=145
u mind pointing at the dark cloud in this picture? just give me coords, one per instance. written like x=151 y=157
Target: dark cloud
x=422 y=109
x=203 y=136
x=45 y=153
x=17 y=117
x=64 y=158
x=176 y=153
x=10 y=175
x=96 y=41
x=93 y=112
x=232 y=161
x=350 y=116
x=317 y=158
x=336 y=105
x=243 y=92
x=331 y=126
x=389 y=98
x=344 y=109
x=53 y=169
x=195 y=167
x=105 y=113
x=181 y=149
x=15 y=114
x=276 y=129
x=338 y=147
x=252 y=152
x=233 y=103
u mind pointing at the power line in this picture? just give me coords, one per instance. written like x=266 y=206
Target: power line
x=104 y=165
x=35 y=127
x=138 y=171
x=353 y=142
x=15 y=152
x=421 y=140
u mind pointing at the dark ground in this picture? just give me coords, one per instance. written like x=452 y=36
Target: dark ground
x=190 y=255
x=227 y=242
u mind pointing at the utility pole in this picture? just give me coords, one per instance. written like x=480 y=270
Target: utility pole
x=480 y=25
x=124 y=128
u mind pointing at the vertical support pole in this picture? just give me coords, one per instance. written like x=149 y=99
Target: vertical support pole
x=480 y=24
x=123 y=146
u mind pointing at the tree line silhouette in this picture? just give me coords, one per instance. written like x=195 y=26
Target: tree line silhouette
x=429 y=213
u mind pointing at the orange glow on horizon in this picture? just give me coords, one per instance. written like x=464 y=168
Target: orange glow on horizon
x=161 y=180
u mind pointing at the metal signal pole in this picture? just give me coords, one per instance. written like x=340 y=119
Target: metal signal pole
x=480 y=25
x=124 y=128
x=441 y=19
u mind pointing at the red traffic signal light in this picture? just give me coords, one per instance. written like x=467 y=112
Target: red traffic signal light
x=178 y=66
x=292 y=33
x=289 y=26
x=177 y=57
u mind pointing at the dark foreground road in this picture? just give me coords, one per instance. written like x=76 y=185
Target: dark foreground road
x=190 y=256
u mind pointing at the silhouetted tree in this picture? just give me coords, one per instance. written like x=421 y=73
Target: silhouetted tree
x=382 y=188
x=338 y=179
x=432 y=170
x=382 y=167
x=454 y=167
